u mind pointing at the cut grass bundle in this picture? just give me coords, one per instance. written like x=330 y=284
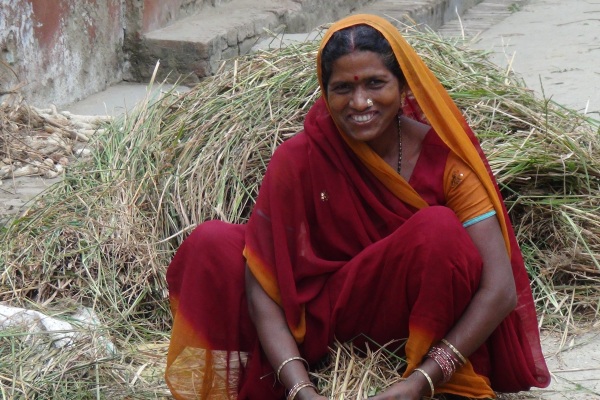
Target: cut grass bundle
x=352 y=373
x=103 y=236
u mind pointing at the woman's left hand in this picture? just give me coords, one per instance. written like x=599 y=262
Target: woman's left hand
x=405 y=390
x=398 y=391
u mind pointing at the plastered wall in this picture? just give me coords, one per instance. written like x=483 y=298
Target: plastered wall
x=59 y=51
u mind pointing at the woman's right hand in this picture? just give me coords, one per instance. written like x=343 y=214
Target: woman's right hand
x=312 y=396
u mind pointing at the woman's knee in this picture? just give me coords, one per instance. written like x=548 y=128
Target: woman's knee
x=443 y=239
x=216 y=234
x=440 y=224
x=213 y=250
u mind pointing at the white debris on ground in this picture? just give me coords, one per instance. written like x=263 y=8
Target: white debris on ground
x=43 y=142
x=84 y=325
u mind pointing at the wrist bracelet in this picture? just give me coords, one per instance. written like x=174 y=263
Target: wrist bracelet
x=458 y=354
x=426 y=375
x=287 y=361
x=297 y=388
x=444 y=359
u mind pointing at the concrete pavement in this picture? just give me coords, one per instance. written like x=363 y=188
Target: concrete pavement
x=553 y=44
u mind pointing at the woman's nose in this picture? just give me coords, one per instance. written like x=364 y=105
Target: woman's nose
x=360 y=100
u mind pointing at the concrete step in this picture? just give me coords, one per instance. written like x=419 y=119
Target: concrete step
x=433 y=14
x=195 y=47
x=481 y=17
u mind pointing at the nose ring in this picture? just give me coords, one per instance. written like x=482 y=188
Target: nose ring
x=369 y=103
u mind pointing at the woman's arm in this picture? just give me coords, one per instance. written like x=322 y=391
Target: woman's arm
x=495 y=298
x=275 y=337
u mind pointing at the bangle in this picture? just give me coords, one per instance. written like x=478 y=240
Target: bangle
x=426 y=375
x=458 y=354
x=287 y=361
x=444 y=359
x=297 y=388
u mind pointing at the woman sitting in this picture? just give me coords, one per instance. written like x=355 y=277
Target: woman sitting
x=381 y=219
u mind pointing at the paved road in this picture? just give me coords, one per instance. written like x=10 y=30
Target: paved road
x=553 y=44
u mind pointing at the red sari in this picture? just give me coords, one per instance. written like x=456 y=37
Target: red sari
x=347 y=247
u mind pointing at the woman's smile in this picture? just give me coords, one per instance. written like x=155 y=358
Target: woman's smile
x=362 y=118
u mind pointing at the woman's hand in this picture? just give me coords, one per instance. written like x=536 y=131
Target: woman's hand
x=399 y=391
x=314 y=396
x=413 y=388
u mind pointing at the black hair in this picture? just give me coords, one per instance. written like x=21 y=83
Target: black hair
x=361 y=38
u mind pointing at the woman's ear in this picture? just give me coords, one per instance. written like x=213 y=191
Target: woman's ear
x=403 y=91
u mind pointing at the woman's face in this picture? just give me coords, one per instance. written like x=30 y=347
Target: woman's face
x=356 y=77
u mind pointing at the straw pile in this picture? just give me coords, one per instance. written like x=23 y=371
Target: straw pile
x=356 y=373
x=102 y=238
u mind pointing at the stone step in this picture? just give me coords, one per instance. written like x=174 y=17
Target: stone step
x=480 y=17
x=195 y=47
x=432 y=14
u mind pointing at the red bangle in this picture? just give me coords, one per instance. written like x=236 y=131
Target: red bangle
x=446 y=362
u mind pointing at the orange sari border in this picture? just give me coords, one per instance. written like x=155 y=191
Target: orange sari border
x=465 y=381
x=184 y=336
x=269 y=284
x=262 y=274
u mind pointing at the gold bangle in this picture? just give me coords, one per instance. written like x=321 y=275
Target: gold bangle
x=297 y=388
x=287 y=361
x=426 y=375
x=455 y=351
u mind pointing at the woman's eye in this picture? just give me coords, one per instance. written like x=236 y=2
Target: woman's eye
x=341 y=88
x=376 y=83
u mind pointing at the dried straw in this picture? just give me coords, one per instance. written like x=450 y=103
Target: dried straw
x=353 y=373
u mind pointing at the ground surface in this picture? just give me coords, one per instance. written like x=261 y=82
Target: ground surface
x=554 y=45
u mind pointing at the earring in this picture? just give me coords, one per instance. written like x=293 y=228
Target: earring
x=369 y=103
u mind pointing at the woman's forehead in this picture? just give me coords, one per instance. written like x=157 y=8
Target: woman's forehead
x=358 y=65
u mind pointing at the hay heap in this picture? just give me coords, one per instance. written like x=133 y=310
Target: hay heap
x=103 y=237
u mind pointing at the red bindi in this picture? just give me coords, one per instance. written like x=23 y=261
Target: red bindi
x=355 y=77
